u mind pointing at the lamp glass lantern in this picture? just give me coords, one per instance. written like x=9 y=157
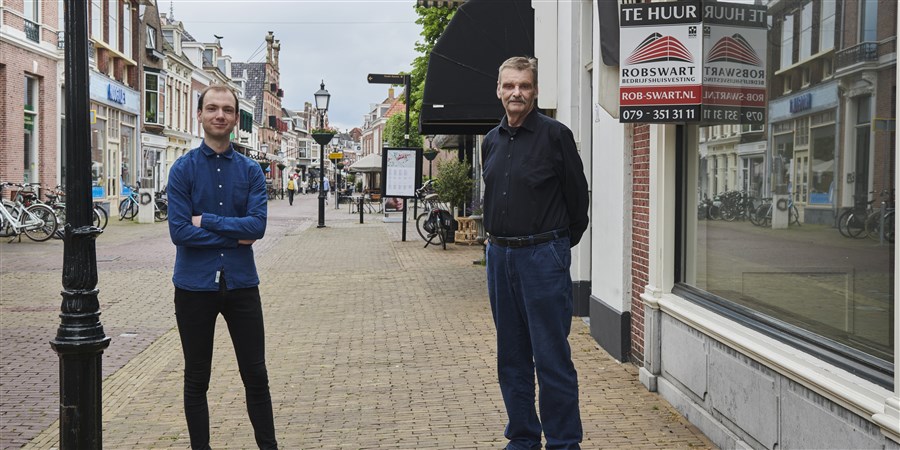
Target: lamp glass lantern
x=322 y=98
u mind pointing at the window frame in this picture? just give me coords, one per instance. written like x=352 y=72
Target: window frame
x=787 y=39
x=97 y=20
x=127 y=26
x=855 y=361
x=160 y=93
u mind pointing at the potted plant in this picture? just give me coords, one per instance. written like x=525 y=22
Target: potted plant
x=281 y=166
x=323 y=136
x=264 y=165
x=453 y=184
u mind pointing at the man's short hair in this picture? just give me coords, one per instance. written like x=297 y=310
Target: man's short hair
x=217 y=87
x=520 y=63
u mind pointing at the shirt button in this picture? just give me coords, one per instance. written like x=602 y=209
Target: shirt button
x=220 y=186
x=221 y=254
x=504 y=193
x=218 y=170
x=217 y=156
x=512 y=138
x=220 y=203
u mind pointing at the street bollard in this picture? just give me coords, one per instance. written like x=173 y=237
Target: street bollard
x=361 y=199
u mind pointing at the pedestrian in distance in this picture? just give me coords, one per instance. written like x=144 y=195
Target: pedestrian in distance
x=290 y=188
x=217 y=210
x=535 y=210
x=326 y=188
x=304 y=185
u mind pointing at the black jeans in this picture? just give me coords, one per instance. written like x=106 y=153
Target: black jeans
x=196 y=314
x=290 y=196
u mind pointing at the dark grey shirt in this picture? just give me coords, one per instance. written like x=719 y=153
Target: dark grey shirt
x=534 y=179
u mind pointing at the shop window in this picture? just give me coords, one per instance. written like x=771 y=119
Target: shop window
x=783 y=266
x=151 y=37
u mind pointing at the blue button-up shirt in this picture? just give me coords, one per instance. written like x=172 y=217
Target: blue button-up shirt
x=229 y=191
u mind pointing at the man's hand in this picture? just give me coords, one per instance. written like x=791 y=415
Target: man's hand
x=246 y=241
x=196 y=220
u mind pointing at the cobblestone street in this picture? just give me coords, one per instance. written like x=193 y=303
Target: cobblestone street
x=372 y=342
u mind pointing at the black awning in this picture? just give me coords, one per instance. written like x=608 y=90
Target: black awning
x=461 y=83
x=609 y=31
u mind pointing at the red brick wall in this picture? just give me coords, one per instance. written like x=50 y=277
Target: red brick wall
x=15 y=64
x=640 y=227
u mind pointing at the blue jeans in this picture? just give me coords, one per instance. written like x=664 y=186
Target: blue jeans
x=531 y=300
x=196 y=313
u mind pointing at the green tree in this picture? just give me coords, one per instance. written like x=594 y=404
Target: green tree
x=433 y=20
x=452 y=181
x=395 y=129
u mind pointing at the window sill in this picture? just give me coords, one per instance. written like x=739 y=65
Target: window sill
x=854 y=393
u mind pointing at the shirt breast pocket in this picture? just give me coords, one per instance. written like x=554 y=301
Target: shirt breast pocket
x=239 y=195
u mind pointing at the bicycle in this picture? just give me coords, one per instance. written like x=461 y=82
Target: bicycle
x=130 y=205
x=435 y=220
x=852 y=222
x=56 y=203
x=37 y=221
x=762 y=216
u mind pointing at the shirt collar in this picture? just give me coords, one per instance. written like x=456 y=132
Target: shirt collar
x=210 y=152
x=530 y=122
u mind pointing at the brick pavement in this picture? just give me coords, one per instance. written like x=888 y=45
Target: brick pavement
x=372 y=343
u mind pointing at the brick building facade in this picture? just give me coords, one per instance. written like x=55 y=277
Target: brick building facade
x=29 y=80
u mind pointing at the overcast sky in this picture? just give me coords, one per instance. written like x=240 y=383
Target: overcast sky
x=340 y=41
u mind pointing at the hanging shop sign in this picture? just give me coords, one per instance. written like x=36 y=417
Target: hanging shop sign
x=660 y=47
x=734 y=63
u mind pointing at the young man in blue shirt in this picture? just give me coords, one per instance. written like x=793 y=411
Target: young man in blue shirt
x=217 y=210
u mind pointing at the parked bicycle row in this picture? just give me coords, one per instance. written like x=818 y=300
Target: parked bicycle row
x=738 y=205
x=874 y=223
x=42 y=219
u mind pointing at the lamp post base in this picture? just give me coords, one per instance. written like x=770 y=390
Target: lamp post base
x=322 y=195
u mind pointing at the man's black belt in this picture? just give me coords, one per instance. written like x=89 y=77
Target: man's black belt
x=527 y=241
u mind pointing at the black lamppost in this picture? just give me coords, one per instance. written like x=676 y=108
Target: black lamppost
x=80 y=339
x=322 y=98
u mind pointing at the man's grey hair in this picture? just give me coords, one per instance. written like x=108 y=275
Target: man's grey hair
x=520 y=63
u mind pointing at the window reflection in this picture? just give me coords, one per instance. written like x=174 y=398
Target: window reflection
x=795 y=217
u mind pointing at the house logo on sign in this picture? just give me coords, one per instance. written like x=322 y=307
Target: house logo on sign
x=734 y=49
x=656 y=48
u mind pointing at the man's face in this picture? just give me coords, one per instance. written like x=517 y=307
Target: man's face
x=218 y=116
x=516 y=90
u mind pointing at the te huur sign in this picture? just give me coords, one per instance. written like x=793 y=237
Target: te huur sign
x=692 y=62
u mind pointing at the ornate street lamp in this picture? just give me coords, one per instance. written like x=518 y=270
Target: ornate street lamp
x=80 y=339
x=322 y=98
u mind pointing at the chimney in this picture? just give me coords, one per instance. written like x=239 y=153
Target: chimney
x=391 y=92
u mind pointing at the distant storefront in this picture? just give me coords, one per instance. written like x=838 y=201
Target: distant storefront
x=114 y=149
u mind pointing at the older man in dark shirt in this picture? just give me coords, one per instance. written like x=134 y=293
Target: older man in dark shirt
x=535 y=205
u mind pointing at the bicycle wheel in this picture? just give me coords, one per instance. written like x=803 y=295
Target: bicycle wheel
x=842 y=223
x=854 y=225
x=795 y=216
x=757 y=214
x=873 y=225
x=420 y=225
x=439 y=230
x=161 y=210
x=889 y=226
x=714 y=212
x=102 y=217
x=44 y=230
x=127 y=209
